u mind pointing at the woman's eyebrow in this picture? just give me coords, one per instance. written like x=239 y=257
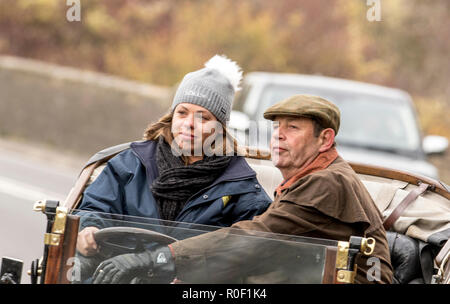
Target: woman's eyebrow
x=203 y=112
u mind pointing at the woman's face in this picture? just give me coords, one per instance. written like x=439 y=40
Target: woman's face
x=191 y=126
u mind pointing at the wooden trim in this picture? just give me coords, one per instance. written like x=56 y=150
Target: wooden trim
x=74 y=195
x=57 y=257
x=69 y=247
x=53 y=262
x=411 y=178
x=329 y=273
x=257 y=153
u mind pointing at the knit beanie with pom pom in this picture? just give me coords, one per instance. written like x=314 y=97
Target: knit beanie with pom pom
x=212 y=87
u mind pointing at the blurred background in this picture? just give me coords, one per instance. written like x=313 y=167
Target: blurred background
x=70 y=88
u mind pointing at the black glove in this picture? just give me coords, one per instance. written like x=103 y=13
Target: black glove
x=123 y=268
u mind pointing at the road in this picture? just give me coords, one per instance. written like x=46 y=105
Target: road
x=28 y=174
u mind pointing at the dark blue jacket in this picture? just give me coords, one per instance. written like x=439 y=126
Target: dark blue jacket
x=123 y=187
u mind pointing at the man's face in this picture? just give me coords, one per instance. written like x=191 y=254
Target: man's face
x=293 y=144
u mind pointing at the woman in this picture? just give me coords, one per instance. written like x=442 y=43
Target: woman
x=187 y=169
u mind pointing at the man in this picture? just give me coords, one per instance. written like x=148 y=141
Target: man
x=321 y=196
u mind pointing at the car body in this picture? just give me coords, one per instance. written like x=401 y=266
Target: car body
x=378 y=124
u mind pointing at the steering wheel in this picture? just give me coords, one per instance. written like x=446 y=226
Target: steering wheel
x=119 y=240
x=114 y=241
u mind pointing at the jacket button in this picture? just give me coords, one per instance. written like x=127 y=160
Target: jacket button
x=257 y=186
x=205 y=196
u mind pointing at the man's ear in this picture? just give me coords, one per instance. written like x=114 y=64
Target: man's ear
x=327 y=139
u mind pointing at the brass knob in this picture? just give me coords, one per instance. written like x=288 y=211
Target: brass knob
x=39 y=272
x=368 y=245
x=39 y=206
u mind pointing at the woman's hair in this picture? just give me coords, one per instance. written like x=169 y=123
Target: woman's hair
x=163 y=127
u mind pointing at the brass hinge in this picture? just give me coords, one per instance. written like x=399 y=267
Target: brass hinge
x=346 y=276
x=342 y=255
x=52 y=239
x=58 y=228
x=346 y=254
x=39 y=206
x=60 y=220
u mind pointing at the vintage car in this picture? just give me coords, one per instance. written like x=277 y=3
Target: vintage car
x=416 y=210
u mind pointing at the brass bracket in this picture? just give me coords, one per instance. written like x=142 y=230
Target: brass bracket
x=60 y=220
x=58 y=228
x=58 y=215
x=39 y=206
x=346 y=276
x=342 y=255
x=346 y=255
x=52 y=239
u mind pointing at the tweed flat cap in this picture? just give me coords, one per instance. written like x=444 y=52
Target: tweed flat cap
x=326 y=112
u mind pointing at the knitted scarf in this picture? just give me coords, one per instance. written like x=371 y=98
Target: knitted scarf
x=177 y=182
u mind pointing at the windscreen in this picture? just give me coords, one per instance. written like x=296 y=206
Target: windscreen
x=244 y=256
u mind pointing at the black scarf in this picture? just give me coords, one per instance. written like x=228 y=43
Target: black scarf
x=177 y=182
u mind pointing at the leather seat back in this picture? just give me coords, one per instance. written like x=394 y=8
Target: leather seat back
x=405 y=258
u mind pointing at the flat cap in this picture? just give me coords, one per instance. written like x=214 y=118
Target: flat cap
x=326 y=112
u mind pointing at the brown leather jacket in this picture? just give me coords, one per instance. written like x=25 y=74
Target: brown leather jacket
x=331 y=203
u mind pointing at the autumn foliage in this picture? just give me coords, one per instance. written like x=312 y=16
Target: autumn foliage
x=158 y=41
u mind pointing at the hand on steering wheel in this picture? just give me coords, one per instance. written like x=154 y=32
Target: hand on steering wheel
x=123 y=268
x=131 y=259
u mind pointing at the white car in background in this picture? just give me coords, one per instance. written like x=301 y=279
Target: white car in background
x=378 y=124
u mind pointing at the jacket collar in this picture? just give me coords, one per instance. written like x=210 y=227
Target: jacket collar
x=146 y=152
x=321 y=162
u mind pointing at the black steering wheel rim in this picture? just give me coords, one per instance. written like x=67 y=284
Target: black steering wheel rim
x=109 y=238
